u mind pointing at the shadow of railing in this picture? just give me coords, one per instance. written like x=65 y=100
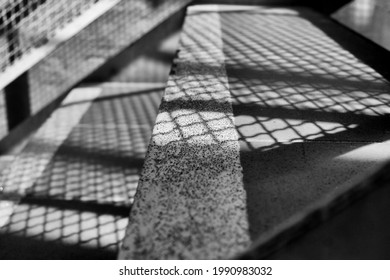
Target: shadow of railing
x=52 y=62
x=54 y=229
x=79 y=205
x=303 y=105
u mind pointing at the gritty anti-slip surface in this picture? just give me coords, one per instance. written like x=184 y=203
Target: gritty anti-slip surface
x=190 y=201
x=310 y=116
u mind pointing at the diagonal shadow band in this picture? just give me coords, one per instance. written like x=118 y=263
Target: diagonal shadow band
x=82 y=206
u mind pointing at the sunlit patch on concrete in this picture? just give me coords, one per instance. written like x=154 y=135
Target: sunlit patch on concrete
x=71 y=189
x=300 y=102
x=192 y=178
x=374 y=152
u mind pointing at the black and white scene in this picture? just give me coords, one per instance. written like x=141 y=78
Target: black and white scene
x=195 y=130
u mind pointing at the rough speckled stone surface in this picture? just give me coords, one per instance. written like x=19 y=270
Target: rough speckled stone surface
x=190 y=202
x=310 y=116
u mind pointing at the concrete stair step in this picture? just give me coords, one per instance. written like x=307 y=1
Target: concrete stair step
x=349 y=224
x=267 y=110
x=69 y=191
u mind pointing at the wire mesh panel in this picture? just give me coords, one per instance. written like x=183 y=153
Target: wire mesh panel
x=37 y=25
x=113 y=32
x=27 y=24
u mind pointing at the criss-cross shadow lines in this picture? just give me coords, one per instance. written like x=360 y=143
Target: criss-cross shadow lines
x=21 y=31
x=303 y=106
x=368 y=121
x=192 y=176
x=62 y=230
x=197 y=101
x=306 y=111
x=79 y=206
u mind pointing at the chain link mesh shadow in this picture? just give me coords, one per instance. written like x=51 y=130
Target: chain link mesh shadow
x=78 y=208
x=301 y=101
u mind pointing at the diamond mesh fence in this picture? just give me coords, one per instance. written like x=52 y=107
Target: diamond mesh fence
x=28 y=24
x=31 y=28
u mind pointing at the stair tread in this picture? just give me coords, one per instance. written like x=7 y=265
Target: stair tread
x=308 y=116
x=70 y=189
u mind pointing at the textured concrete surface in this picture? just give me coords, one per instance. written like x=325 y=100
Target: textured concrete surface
x=310 y=117
x=190 y=202
x=359 y=231
x=263 y=115
x=309 y=114
x=68 y=194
